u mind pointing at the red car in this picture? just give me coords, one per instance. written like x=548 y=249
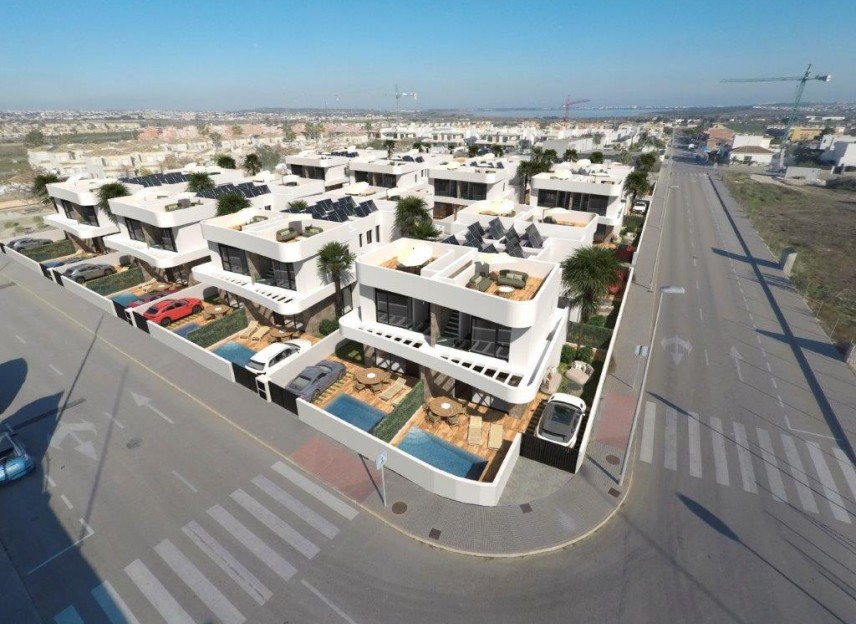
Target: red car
x=165 y=312
x=151 y=296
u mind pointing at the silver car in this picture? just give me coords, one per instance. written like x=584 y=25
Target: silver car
x=85 y=272
x=20 y=244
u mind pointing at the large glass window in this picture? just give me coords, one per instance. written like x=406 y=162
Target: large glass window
x=167 y=240
x=135 y=230
x=234 y=260
x=362 y=176
x=283 y=275
x=393 y=309
x=68 y=208
x=88 y=215
x=473 y=190
x=490 y=339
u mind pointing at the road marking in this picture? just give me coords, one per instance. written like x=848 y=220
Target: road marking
x=769 y=368
x=758 y=338
x=798 y=473
x=55 y=369
x=157 y=594
x=719 y=459
x=781 y=402
x=700 y=314
x=276 y=524
x=21 y=340
x=774 y=382
x=228 y=563
x=695 y=445
x=706 y=360
x=670 y=448
x=112 y=604
x=646 y=452
x=89 y=533
x=316 y=491
x=327 y=602
x=774 y=476
x=199 y=584
x=252 y=543
x=836 y=503
x=51 y=482
x=697 y=287
x=142 y=401
x=185 y=481
x=312 y=518
x=117 y=423
x=695 y=262
x=69 y=615
x=847 y=469
x=744 y=458
x=752 y=319
x=67 y=502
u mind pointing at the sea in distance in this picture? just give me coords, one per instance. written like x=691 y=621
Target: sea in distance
x=532 y=113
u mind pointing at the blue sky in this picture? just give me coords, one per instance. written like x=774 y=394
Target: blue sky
x=218 y=55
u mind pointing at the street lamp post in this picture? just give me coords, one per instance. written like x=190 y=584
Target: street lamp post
x=665 y=290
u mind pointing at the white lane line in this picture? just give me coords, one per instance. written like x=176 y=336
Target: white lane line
x=21 y=340
x=316 y=491
x=251 y=542
x=51 y=482
x=706 y=360
x=697 y=287
x=89 y=533
x=199 y=584
x=774 y=382
x=798 y=473
x=227 y=562
x=781 y=402
x=744 y=458
x=157 y=594
x=111 y=417
x=694 y=445
x=700 y=314
x=312 y=518
x=836 y=503
x=69 y=615
x=55 y=369
x=67 y=502
x=646 y=452
x=847 y=469
x=720 y=462
x=327 y=602
x=185 y=481
x=276 y=524
x=112 y=604
x=695 y=262
x=758 y=338
x=670 y=448
x=769 y=368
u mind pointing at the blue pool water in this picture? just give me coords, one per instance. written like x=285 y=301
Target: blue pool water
x=441 y=454
x=186 y=329
x=124 y=299
x=234 y=352
x=354 y=411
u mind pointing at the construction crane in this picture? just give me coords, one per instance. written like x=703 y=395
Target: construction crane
x=568 y=103
x=802 y=80
x=398 y=96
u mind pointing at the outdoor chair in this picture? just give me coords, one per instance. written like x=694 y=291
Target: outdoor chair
x=494 y=436
x=474 y=431
x=251 y=328
x=393 y=390
x=261 y=332
x=479 y=282
x=509 y=277
x=358 y=385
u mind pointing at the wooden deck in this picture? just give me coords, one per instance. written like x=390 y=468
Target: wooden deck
x=533 y=284
x=392 y=263
x=365 y=395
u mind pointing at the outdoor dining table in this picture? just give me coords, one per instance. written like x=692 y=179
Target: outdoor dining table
x=278 y=334
x=445 y=407
x=218 y=310
x=371 y=376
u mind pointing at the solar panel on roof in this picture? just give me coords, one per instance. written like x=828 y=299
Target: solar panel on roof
x=499 y=165
x=497 y=231
x=452 y=240
x=511 y=235
x=489 y=249
x=372 y=207
x=420 y=159
x=472 y=229
x=534 y=237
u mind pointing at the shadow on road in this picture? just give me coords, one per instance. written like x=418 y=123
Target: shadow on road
x=734 y=256
x=818 y=346
x=12 y=376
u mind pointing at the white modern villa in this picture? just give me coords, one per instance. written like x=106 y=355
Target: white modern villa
x=458 y=183
x=401 y=173
x=330 y=168
x=78 y=213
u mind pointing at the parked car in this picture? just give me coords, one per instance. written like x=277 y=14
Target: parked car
x=83 y=272
x=639 y=206
x=273 y=355
x=53 y=264
x=165 y=312
x=151 y=296
x=561 y=418
x=314 y=380
x=14 y=460
x=20 y=244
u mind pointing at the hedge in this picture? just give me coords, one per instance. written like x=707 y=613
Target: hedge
x=116 y=282
x=392 y=423
x=596 y=337
x=215 y=331
x=49 y=252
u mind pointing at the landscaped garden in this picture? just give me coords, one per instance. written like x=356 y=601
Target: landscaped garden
x=48 y=252
x=117 y=281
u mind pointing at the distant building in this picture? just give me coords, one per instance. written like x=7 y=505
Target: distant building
x=750 y=140
x=798 y=133
x=719 y=136
x=751 y=155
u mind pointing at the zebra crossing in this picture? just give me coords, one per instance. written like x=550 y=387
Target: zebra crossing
x=820 y=480
x=281 y=519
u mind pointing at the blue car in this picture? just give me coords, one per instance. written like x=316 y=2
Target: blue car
x=14 y=460
x=316 y=379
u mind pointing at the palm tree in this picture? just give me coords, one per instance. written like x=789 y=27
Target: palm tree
x=451 y=147
x=252 y=164
x=216 y=138
x=389 y=145
x=472 y=150
x=646 y=161
x=198 y=182
x=335 y=259
x=497 y=150
x=229 y=203
x=597 y=138
x=570 y=155
x=550 y=155
x=636 y=183
x=425 y=230
x=409 y=212
x=587 y=275
x=298 y=205
x=110 y=191
x=226 y=162
x=419 y=145
x=596 y=158
x=40 y=190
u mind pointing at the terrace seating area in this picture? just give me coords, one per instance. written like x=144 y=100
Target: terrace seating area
x=384 y=395
x=506 y=283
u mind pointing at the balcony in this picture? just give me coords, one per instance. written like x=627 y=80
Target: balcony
x=80 y=230
x=158 y=257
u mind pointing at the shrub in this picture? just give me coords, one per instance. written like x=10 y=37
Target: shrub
x=351 y=351
x=48 y=252
x=569 y=354
x=597 y=321
x=215 y=331
x=116 y=282
x=586 y=354
x=401 y=413
x=593 y=336
x=328 y=326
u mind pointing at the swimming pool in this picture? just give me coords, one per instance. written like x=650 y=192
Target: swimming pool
x=234 y=352
x=125 y=299
x=441 y=454
x=361 y=415
x=186 y=329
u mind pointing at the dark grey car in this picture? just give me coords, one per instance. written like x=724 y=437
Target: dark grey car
x=316 y=379
x=20 y=244
x=85 y=272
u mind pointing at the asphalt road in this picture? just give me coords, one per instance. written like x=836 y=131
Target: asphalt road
x=180 y=502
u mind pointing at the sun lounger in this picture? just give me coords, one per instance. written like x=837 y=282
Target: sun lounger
x=251 y=328
x=494 y=436
x=260 y=333
x=474 y=431
x=394 y=389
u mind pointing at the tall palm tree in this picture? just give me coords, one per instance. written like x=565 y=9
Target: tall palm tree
x=252 y=164
x=389 y=145
x=570 y=155
x=335 y=259
x=646 y=161
x=451 y=147
x=550 y=155
x=110 y=191
x=587 y=275
x=472 y=150
x=409 y=212
x=636 y=183
x=40 y=190
x=419 y=145
x=596 y=157
x=229 y=203
x=198 y=182
x=497 y=150
x=425 y=230
x=226 y=162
